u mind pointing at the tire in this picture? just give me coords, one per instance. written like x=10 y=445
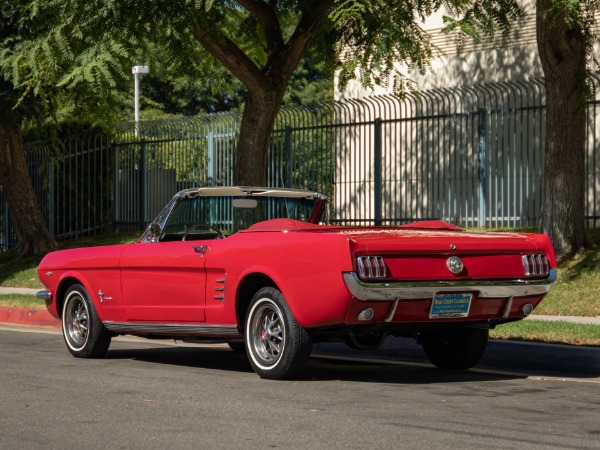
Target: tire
x=83 y=331
x=277 y=346
x=457 y=349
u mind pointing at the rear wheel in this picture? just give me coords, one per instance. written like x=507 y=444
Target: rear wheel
x=277 y=346
x=455 y=349
x=83 y=331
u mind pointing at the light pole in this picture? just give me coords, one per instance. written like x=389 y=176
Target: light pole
x=137 y=71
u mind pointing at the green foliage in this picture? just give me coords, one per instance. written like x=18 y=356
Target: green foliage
x=478 y=19
x=375 y=35
x=79 y=53
x=80 y=58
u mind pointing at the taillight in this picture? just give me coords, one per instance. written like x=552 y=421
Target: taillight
x=370 y=267
x=536 y=265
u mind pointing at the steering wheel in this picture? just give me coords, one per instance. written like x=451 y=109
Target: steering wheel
x=218 y=232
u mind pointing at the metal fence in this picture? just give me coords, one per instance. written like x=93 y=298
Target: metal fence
x=472 y=156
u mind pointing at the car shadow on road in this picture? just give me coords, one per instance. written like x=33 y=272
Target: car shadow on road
x=318 y=369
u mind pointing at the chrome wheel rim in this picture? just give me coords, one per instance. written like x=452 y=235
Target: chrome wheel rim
x=76 y=321
x=267 y=332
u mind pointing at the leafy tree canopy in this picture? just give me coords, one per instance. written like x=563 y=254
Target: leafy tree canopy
x=89 y=47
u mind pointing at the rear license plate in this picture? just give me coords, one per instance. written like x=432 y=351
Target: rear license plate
x=448 y=306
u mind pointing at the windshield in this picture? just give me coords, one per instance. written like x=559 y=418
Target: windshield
x=231 y=214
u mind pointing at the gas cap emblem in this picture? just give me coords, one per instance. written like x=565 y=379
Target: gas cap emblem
x=455 y=265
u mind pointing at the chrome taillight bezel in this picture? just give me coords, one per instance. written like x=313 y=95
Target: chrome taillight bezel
x=371 y=267
x=535 y=265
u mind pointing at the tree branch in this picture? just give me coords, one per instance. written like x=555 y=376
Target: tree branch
x=230 y=55
x=313 y=14
x=268 y=21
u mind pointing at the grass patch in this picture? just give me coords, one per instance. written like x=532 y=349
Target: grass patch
x=21 y=301
x=15 y=272
x=576 y=292
x=550 y=332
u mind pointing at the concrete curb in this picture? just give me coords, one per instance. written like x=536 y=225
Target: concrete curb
x=28 y=317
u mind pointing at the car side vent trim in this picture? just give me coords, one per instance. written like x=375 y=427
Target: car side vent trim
x=536 y=265
x=371 y=267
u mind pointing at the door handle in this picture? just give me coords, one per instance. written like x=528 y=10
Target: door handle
x=200 y=249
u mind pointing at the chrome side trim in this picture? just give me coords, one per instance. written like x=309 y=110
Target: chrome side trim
x=417 y=290
x=221 y=289
x=44 y=295
x=172 y=329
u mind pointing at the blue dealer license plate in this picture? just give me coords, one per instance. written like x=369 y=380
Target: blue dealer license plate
x=448 y=306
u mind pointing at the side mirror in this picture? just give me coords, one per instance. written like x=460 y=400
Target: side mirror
x=155 y=231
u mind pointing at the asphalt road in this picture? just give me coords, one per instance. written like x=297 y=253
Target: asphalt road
x=148 y=395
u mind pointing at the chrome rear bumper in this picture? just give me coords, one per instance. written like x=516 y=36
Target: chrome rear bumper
x=426 y=289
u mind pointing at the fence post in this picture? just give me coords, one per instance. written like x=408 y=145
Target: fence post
x=288 y=156
x=51 y=195
x=378 y=175
x=143 y=192
x=117 y=187
x=481 y=155
x=211 y=163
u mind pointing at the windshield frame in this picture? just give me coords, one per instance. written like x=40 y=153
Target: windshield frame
x=318 y=213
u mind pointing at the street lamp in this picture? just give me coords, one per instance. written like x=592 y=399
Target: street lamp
x=137 y=71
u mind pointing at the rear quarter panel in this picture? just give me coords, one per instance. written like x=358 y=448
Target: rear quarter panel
x=306 y=267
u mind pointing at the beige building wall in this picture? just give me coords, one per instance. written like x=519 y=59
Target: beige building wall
x=420 y=181
x=462 y=62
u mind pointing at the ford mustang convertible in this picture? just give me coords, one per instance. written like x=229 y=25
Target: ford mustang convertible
x=258 y=268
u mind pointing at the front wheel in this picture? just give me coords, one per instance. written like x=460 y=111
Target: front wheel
x=83 y=331
x=456 y=349
x=277 y=346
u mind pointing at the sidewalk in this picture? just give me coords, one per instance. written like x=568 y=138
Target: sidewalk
x=25 y=291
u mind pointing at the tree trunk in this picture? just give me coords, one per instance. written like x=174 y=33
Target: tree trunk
x=258 y=120
x=34 y=238
x=562 y=51
x=266 y=83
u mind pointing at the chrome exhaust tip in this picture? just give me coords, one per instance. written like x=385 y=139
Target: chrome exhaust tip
x=525 y=310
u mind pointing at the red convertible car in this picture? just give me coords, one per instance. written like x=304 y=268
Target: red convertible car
x=259 y=269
